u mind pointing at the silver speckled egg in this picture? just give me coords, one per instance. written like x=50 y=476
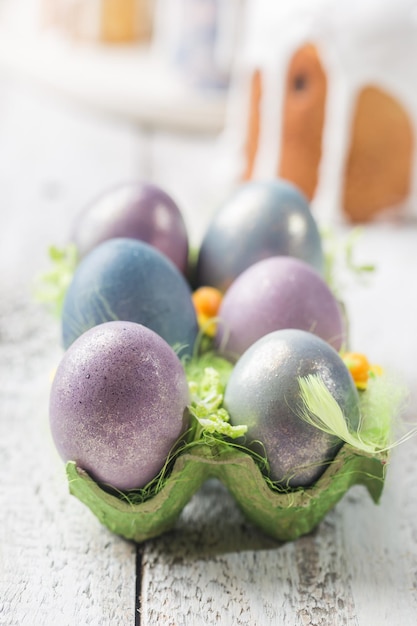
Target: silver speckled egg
x=263 y=393
x=261 y=219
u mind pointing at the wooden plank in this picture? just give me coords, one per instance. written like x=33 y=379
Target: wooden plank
x=57 y=564
x=354 y=569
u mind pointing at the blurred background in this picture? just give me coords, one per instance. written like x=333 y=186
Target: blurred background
x=95 y=93
x=200 y=96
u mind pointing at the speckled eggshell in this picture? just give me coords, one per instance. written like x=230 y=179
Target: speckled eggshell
x=273 y=294
x=126 y=279
x=263 y=393
x=117 y=404
x=261 y=219
x=139 y=210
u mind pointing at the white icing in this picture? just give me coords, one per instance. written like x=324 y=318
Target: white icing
x=372 y=42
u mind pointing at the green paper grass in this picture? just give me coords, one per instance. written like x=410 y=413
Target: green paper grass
x=339 y=258
x=51 y=287
x=206 y=389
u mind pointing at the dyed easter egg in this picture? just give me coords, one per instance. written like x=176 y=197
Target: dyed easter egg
x=129 y=280
x=263 y=393
x=276 y=293
x=118 y=404
x=261 y=219
x=138 y=210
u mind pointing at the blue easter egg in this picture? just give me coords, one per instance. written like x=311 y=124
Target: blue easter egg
x=129 y=280
x=261 y=219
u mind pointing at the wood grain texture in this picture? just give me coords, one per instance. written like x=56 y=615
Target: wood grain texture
x=220 y=571
x=57 y=564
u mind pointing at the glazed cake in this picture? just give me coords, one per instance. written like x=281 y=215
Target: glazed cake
x=325 y=96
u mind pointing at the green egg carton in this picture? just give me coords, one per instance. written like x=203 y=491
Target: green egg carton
x=281 y=513
x=285 y=515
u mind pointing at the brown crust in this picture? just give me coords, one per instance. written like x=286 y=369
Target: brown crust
x=379 y=161
x=303 y=119
x=252 y=137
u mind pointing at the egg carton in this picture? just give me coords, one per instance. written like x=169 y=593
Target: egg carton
x=284 y=516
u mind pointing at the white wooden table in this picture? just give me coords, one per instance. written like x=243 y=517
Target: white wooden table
x=58 y=566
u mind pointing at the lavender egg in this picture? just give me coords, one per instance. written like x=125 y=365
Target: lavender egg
x=263 y=393
x=273 y=294
x=129 y=280
x=138 y=210
x=261 y=219
x=118 y=404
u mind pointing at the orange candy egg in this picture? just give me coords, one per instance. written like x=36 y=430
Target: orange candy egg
x=360 y=368
x=206 y=302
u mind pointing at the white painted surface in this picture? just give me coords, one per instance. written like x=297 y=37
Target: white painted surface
x=57 y=564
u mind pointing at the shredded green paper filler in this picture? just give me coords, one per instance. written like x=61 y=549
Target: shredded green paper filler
x=50 y=288
x=211 y=451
